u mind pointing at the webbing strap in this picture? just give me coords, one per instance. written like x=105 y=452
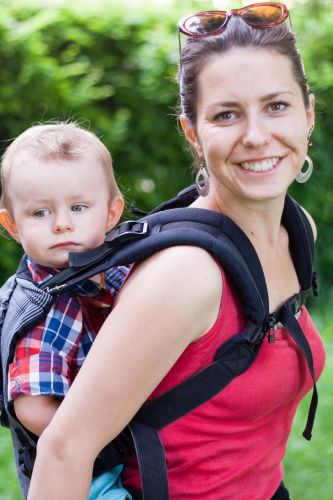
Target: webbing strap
x=152 y=462
x=290 y=322
x=232 y=359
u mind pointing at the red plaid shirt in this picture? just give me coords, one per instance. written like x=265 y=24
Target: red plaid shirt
x=48 y=357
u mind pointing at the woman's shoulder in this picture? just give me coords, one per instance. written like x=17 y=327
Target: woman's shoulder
x=184 y=280
x=186 y=264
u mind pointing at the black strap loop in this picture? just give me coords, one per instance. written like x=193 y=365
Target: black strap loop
x=289 y=321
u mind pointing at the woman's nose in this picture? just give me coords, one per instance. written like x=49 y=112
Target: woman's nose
x=256 y=133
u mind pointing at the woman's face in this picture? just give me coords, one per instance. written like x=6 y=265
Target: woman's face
x=252 y=124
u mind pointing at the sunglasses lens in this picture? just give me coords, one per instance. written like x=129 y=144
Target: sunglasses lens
x=205 y=23
x=262 y=15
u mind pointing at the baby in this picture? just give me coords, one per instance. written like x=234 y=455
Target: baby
x=59 y=195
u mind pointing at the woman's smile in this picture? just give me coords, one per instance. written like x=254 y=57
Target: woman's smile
x=264 y=165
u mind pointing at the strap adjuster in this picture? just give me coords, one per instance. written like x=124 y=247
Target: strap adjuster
x=131 y=229
x=296 y=302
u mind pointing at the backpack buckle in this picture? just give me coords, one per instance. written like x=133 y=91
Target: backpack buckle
x=296 y=302
x=128 y=230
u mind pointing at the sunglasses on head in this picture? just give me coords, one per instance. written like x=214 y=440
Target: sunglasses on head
x=208 y=23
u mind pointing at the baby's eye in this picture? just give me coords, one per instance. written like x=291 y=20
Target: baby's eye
x=41 y=213
x=79 y=208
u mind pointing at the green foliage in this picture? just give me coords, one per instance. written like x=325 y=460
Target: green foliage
x=9 y=487
x=111 y=70
x=313 y=22
x=112 y=67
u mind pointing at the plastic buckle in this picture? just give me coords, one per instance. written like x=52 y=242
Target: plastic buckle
x=299 y=302
x=131 y=229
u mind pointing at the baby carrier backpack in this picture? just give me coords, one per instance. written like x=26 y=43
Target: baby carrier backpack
x=23 y=305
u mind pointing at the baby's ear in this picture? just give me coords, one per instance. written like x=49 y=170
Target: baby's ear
x=115 y=210
x=7 y=221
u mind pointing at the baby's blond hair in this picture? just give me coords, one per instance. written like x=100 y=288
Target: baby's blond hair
x=57 y=141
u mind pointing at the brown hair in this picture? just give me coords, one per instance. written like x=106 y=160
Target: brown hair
x=196 y=51
x=56 y=141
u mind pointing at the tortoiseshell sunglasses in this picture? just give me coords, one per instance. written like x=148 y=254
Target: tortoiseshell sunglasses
x=209 y=23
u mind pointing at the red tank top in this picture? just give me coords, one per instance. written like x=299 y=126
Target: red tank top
x=232 y=446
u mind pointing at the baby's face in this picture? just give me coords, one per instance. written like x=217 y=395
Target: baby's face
x=60 y=207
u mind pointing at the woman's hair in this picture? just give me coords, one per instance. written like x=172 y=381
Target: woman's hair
x=56 y=141
x=196 y=51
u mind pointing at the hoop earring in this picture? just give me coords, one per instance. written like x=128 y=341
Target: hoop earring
x=202 y=180
x=305 y=176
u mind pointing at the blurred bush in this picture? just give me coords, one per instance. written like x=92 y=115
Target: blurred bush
x=111 y=66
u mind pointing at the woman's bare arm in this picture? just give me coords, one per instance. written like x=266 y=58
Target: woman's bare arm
x=170 y=300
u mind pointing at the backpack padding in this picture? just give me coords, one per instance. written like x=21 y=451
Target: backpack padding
x=22 y=315
x=301 y=241
x=196 y=227
x=5 y=295
x=224 y=251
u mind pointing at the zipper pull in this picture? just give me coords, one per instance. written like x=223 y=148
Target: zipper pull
x=271 y=328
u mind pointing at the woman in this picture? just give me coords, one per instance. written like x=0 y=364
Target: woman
x=248 y=113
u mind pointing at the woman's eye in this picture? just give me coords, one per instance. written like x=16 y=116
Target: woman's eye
x=41 y=213
x=278 y=106
x=79 y=208
x=225 y=116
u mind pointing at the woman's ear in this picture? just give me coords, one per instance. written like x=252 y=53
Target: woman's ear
x=190 y=134
x=115 y=210
x=311 y=112
x=7 y=221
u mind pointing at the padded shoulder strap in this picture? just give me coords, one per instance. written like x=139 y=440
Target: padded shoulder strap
x=301 y=241
x=6 y=292
x=27 y=306
x=214 y=232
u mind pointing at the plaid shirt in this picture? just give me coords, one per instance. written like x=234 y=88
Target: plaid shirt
x=48 y=357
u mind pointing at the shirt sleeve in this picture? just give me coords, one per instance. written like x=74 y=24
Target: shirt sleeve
x=46 y=357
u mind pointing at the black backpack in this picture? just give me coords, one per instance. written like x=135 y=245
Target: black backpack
x=170 y=224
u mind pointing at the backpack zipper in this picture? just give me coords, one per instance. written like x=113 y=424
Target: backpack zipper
x=271 y=328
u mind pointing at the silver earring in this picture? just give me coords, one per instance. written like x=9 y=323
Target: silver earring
x=202 y=181
x=305 y=176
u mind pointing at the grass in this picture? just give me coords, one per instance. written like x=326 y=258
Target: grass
x=308 y=466
x=9 y=488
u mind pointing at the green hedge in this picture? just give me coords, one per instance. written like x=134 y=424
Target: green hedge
x=111 y=66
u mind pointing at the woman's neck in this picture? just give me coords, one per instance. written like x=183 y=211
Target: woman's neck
x=259 y=220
